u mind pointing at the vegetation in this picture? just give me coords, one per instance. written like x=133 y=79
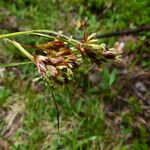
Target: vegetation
x=105 y=106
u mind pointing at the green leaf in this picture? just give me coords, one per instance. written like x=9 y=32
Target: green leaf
x=15 y=64
x=18 y=45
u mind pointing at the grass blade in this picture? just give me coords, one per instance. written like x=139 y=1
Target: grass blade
x=17 y=45
x=15 y=64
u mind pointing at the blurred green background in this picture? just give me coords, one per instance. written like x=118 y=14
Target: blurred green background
x=100 y=110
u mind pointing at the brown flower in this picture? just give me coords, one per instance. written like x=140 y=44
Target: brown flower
x=44 y=66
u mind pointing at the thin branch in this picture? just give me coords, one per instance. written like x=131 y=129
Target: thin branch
x=56 y=108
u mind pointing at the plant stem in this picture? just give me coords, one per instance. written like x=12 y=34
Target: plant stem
x=15 y=34
x=39 y=31
x=15 y=64
x=56 y=109
x=26 y=53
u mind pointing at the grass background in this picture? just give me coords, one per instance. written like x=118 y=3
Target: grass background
x=111 y=113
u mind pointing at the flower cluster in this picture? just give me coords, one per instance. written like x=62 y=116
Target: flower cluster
x=98 y=53
x=58 y=63
x=63 y=54
x=60 y=60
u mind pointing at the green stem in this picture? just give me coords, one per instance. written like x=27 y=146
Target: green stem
x=15 y=34
x=39 y=31
x=21 y=49
x=15 y=64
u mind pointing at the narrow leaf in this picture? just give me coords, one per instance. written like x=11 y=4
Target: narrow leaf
x=17 y=45
x=15 y=64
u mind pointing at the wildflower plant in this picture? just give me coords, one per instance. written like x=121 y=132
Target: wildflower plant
x=62 y=55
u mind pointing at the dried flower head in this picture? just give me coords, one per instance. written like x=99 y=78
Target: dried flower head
x=98 y=53
x=59 y=63
x=45 y=68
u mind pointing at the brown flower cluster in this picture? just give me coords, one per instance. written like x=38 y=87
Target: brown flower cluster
x=58 y=63
x=98 y=53
x=60 y=60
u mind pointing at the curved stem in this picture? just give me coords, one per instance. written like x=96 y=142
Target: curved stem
x=39 y=31
x=15 y=34
x=26 y=53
